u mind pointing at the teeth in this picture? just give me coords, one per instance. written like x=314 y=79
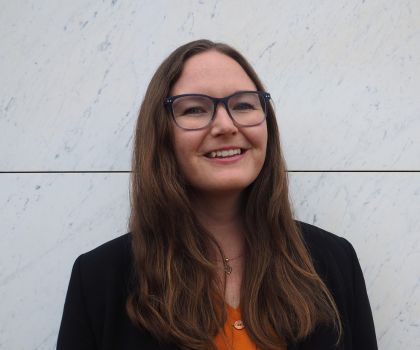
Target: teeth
x=225 y=153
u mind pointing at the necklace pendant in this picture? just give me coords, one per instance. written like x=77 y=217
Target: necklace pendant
x=228 y=268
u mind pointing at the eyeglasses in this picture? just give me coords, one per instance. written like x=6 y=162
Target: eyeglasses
x=197 y=111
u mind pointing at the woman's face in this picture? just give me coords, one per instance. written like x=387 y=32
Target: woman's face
x=217 y=75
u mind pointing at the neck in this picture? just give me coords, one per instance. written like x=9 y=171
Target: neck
x=221 y=216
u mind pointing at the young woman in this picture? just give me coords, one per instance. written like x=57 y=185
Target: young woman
x=214 y=259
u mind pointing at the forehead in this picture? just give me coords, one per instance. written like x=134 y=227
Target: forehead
x=212 y=73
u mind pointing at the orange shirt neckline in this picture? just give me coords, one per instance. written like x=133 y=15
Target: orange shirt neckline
x=233 y=310
x=233 y=338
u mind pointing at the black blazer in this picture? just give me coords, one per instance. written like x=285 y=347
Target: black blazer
x=94 y=314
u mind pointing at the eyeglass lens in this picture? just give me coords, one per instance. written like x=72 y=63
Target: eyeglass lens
x=195 y=112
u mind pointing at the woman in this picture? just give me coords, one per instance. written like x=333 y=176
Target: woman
x=214 y=259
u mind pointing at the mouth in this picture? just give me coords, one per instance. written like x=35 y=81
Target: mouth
x=225 y=153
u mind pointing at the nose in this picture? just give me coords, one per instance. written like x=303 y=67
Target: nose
x=222 y=123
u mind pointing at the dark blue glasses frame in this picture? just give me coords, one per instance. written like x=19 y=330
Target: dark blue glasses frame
x=264 y=97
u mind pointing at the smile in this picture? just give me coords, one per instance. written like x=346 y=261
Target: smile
x=224 y=153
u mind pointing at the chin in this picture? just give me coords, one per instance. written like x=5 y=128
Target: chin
x=220 y=187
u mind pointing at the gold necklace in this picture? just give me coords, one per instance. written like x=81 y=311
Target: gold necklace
x=226 y=266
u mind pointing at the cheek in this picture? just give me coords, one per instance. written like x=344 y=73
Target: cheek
x=178 y=142
x=262 y=140
x=259 y=138
x=180 y=151
x=186 y=147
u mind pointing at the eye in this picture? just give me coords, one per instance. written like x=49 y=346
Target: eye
x=194 y=110
x=192 y=107
x=243 y=106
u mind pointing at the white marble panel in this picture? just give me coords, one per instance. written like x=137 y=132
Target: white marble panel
x=379 y=215
x=46 y=221
x=344 y=76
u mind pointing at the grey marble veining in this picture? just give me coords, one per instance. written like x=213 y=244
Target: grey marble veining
x=344 y=76
x=46 y=221
x=379 y=215
x=345 y=80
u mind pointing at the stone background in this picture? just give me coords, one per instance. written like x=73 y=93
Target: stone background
x=345 y=79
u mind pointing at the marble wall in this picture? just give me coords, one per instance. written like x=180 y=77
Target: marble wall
x=345 y=80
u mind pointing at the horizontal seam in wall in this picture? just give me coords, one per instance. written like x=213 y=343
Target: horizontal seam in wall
x=129 y=172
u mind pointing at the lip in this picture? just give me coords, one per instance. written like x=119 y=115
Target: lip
x=225 y=148
x=227 y=160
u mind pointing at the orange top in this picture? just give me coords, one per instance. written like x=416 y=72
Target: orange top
x=235 y=336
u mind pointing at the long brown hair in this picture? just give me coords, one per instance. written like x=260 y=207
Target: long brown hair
x=176 y=296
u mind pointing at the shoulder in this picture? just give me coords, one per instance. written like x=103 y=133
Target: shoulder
x=335 y=261
x=326 y=248
x=318 y=238
x=105 y=268
x=94 y=314
x=110 y=255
